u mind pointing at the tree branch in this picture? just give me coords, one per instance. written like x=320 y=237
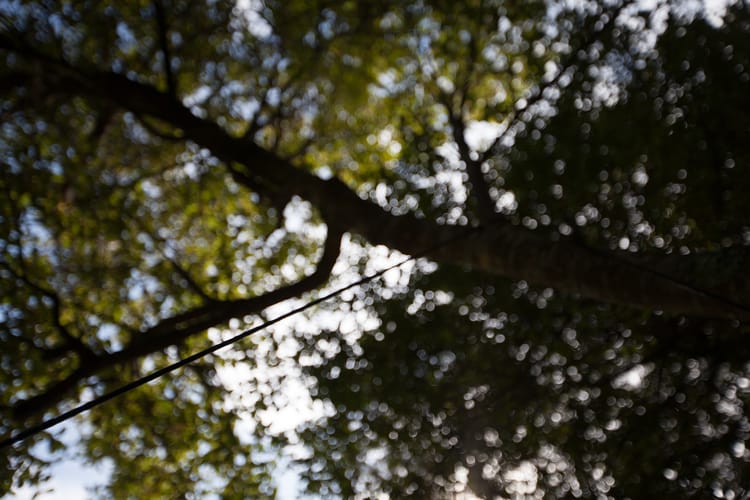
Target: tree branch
x=163 y=33
x=70 y=341
x=565 y=66
x=176 y=330
x=479 y=188
x=514 y=252
x=192 y=284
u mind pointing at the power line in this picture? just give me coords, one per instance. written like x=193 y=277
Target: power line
x=51 y=422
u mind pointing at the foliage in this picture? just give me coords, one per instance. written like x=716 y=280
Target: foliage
x=128 y=230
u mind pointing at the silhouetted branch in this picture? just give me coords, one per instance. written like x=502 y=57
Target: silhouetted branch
x=566 y=64
x=177 y=329
x=184 y=274
x=513 y=252
x=71 y=341
x=163 y=36
x=479 y=187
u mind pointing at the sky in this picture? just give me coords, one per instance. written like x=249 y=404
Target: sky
x=70 y=478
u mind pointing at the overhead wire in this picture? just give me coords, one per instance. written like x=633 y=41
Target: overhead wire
x=156 y=374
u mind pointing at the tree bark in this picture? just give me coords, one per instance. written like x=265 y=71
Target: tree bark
x=670 y=283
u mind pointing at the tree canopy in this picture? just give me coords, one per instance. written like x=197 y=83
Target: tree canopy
x=577 y=174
